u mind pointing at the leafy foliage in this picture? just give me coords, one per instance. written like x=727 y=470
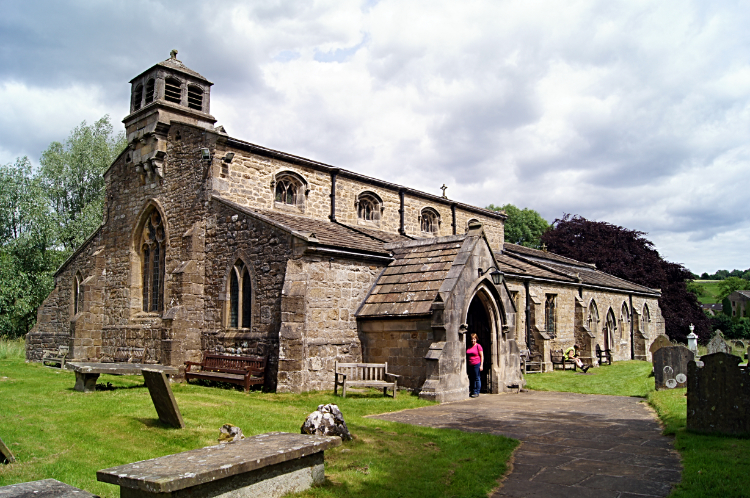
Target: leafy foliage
x=523 y=226
x=627 y=254
x=731 y=284
x=44 y=217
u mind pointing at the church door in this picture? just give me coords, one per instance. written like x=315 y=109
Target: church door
x=479 y=324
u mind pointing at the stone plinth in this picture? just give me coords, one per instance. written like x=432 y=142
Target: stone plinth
x=267 y=465
x=47 y=488
x=163 y=397
x=88 y=373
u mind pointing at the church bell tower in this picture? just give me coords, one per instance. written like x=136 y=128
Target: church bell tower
x=169 y=91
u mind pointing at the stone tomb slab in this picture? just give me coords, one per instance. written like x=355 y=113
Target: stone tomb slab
x=268 y=465
x=163 y=397
x=660 y=342
x=88 y=373
x=671 y=367
x=6 y=456
x=47 y=488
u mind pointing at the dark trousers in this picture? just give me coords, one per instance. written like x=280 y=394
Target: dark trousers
x=475 y=381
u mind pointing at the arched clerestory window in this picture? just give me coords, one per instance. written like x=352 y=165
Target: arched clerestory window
x=152 y=262
x=429 y=221
x=240 y=296
x=369 y=207
x=289 y=190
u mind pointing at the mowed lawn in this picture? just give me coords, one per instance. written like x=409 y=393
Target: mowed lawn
x=56 y=432
x=713 y=466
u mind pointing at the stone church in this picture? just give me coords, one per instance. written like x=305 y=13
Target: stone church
x=213 y=244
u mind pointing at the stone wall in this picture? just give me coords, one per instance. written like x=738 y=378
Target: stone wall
x=318 y=326
x=403 y=343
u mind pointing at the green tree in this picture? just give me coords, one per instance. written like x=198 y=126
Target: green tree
x=72 y=178
x=696 y=288
x=523 y=226
x=731 y=284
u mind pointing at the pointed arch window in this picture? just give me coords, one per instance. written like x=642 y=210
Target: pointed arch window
x=78 y=294
x=240 y=297
x=593 y=317
x=646 y=318
x=430 y=221
x=152 y=258
x=550 y=314
x=609 y=334
x=624 y=320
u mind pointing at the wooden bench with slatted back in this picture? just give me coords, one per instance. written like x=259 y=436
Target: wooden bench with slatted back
x=241 y=370
x=364 y=375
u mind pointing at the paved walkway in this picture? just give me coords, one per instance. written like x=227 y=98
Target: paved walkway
x=573 y=445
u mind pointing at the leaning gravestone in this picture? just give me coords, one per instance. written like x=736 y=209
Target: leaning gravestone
x=718 y=344
x=671 y=367
x=6 y=456
x=660 y=342
x=163 y=398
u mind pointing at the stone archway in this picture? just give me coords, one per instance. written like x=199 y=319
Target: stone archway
x=479 y=323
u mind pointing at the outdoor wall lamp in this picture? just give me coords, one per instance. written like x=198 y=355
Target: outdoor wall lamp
x=497 y=277
x=205 y=154
x=228 y=157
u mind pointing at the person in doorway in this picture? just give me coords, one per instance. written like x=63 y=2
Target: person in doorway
x=572 y=354
x=476 y=364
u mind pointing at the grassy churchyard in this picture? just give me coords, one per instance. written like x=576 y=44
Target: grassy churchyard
x=713 y=466
x=60 y=433
x=56 y=432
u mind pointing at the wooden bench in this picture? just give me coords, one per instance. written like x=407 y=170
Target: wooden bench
x=363 y=375
x=603 y=355
x=241 y=370
x=55 y=356
x=267 y=465
x=558 y=358
x=531 y=361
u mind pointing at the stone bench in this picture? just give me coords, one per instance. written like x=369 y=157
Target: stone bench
x=267 y=465
x=88 y=373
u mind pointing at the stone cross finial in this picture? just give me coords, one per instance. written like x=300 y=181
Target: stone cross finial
x=444 y=188
x=173 y=54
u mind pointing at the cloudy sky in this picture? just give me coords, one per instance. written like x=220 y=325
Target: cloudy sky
x=636 y=113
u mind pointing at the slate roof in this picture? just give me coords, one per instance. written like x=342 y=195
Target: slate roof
x=326 y=233
x=411 y=282
x=526 y=262
x=175 y=65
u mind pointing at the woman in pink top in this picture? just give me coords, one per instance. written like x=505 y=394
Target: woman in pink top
x=476 y=364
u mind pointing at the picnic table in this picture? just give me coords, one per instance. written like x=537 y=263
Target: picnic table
x=88 y=373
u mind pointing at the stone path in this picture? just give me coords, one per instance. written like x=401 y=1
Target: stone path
x=573 y=445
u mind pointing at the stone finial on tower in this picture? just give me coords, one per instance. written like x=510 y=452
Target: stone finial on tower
x=173 y=53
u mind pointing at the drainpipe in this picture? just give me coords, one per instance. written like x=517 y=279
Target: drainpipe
x=632 y=344
x=453 y=215
x=528 y=315
x=401 y=213
x=334 y=174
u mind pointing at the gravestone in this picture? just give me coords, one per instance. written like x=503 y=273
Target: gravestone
x=660 y=342
x=47 y=488
x=718 y=344
x=718 y=395
x=6 y=456
x=163 y=398
x=671 y=367
x=327 y=420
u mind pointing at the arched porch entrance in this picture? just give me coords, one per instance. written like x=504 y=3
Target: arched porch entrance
x=480 y=321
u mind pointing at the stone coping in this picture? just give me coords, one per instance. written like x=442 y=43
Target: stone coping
x=191 y=468
x=118 y=368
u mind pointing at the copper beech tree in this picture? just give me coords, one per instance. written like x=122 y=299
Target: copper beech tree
x=627 y=254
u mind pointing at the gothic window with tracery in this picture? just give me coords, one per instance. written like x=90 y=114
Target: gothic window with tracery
x=550 y=315
x=240 y=296
x=646 y=318
x=593 y=317
x=152 y=258
x=609 y=334
x=430 y=221
x=368 y=207
x=625 y=319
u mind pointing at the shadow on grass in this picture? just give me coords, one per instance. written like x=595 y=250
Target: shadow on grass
x=155 y=423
